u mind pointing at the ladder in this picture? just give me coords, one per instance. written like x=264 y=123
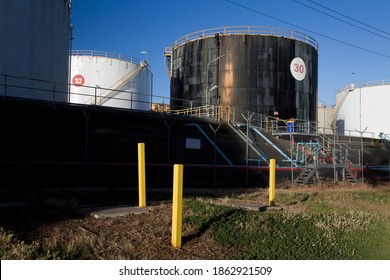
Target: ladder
x=349 y=175
x=306 y=175
x=249 y=141
x=385 y=139
x=168 y=60
x=114 y=89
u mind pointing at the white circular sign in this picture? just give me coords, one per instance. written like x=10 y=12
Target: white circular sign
x=298 y=68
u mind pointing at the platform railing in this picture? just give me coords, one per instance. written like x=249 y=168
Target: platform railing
x=40 y=90
x=93 y=53
x=247 y=30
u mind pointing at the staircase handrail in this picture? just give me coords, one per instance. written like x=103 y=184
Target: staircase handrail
x=121 y=82
x=168 y=60
x=385 y=138
x=257 y=119
x=256 y=149
x=114 y=89
x=346 y=154
x=205 y=111
x=288 y=159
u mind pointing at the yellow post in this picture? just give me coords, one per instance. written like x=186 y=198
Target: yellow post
x=228 y=113
x=272 y=182
x=141 y=175
x=177 y=205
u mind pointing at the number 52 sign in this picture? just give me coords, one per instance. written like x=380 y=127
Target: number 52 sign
x=298 y=68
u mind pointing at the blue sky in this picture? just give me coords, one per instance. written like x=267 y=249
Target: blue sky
x=129 y=27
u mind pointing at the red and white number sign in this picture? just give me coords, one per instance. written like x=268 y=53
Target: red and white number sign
x=298 y=68
x=78 y=80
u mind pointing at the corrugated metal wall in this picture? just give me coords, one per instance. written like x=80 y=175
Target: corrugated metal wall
x=35 y=38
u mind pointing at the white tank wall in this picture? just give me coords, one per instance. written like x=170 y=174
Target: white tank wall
x=374 y=113
x=35 y=45
x=102 y=72
x=325 y=118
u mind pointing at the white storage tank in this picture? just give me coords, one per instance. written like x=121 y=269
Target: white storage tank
x=363 y=108
x=108 y=79
x=34 y=49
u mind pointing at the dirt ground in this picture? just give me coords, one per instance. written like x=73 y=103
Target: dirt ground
x=143 y=236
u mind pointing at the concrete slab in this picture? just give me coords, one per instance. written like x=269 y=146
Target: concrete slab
x=115 y=211
x=271 y=208
x=257 y=207
x=248 y=206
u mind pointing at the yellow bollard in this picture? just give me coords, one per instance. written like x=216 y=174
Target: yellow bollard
x=141 y=175
x=272 y=182
x=177 y=205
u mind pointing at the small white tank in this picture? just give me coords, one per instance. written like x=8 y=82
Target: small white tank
x=363 y=108
x=108 y=79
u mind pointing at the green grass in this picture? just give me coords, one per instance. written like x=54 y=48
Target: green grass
x=328 y=224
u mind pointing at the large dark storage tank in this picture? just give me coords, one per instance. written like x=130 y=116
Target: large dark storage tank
x=259 y=69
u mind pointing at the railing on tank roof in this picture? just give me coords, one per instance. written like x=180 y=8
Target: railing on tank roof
x=350 y=87
x=107 y=55
x=342 y=93
x=250 y=30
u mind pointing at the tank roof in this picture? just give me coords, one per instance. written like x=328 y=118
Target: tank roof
x=351 y=87
x=107 y=55
x=247 y=30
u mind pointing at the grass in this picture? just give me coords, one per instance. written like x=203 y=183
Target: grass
x=11 y=248
x=315 y=224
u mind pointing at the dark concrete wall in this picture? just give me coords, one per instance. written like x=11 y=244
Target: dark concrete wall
x=47 y=146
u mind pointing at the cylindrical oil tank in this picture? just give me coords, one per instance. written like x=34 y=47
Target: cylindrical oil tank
x=109 y=79
x=258 y=69
x=34 y=49
x=363 y=110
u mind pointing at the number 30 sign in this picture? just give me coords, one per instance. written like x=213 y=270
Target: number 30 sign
x=298 y=68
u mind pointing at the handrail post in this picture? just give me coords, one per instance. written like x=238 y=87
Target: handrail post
x=95 y=94
x=54 y=92
x=5 y=86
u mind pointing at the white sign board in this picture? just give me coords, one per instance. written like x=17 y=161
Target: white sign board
x=192 y=143
x=298 y=68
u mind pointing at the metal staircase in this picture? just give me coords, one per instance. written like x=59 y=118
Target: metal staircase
x=317 y=157
x=385 y=140
x=307 y=174
x=251 y=144
x=168 y=60
x=114 y=89
x=275 y=147
x=349 y=175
